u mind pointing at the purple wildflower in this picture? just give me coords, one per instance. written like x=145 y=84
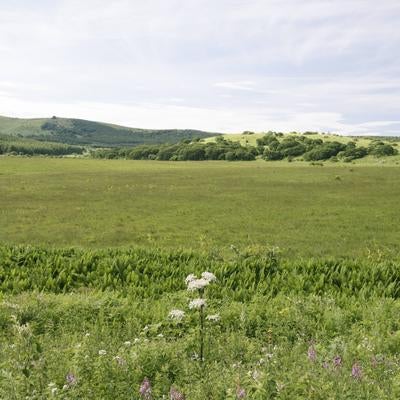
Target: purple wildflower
x=311 y=353
x=71 y=379
x=356 y=371
x=337 y=361
x=175 y=394
x=240 y=393
x=145 y=389
x=325 y=365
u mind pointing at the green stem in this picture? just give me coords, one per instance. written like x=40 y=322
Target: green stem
x=201 y=330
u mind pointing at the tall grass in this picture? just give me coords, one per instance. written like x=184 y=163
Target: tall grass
x=151 y=273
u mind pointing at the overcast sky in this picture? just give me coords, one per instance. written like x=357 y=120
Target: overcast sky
x=218 y=65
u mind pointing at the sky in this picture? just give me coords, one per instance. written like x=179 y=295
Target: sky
x=216 y=65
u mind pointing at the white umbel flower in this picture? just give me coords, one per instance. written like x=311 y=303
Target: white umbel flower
x=190 y=278
x=213 y=317
x=197 y=303
x=197 y=284
x=209 y=276
x=102 y=352
x=177 y=315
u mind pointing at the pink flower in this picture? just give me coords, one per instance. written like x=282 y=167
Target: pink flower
x=311 y=353
x=356 y=371
x=145 y=389
x=71 y=379
x=337 y=361
x=175 y=395
x=240 y=393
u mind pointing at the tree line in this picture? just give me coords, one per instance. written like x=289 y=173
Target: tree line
x=271 y=147
x=186 y=150
x=309 y=149
x=27 y=147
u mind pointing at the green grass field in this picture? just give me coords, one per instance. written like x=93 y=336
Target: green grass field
x=320 y=320
x=334 y=210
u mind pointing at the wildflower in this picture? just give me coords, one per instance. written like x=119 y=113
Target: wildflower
x=177 y=315
x=137 y=340
x=175 y=395
x=145 y=389
x=197 y=284
x=209 y=276
x=190 y=278
x=356 y=371
x=240 y=393
x=120 y=361
x=160 y=335
x=325 y=365
x=337 y=361
x=127 y=343
x=213 y=317
x=71 y=380
x=312 y=354
x=53 y=388
x=197 y=304
x=102 y=352
x=255 y=375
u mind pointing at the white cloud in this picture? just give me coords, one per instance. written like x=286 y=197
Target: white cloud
x=239 y=85
x=228 y=65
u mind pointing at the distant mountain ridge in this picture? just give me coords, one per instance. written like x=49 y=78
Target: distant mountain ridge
x=90 y=133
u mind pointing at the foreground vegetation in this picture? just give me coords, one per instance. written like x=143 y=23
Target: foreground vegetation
x=309 y=211
x=98 y=324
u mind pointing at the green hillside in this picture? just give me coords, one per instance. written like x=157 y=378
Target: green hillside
x=83 y=132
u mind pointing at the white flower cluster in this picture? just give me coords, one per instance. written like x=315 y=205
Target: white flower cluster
x=209 y=276
x=213 y=317
x=177 y=315
x=194 y=283
x=197 y=284
x=197 y=304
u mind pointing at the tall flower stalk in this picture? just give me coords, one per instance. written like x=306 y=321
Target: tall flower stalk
x=201 y=312
x=198 y=285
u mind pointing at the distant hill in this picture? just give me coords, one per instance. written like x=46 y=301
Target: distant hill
x=89 y=133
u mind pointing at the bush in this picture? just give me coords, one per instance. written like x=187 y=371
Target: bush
x=324 y=151
x=271 y=155
x=380 y=149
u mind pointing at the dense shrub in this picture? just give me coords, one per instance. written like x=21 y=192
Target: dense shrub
x=324 y=151
x=352 y=152
x=184 y=151
x=272 y=155
x=381 y=149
